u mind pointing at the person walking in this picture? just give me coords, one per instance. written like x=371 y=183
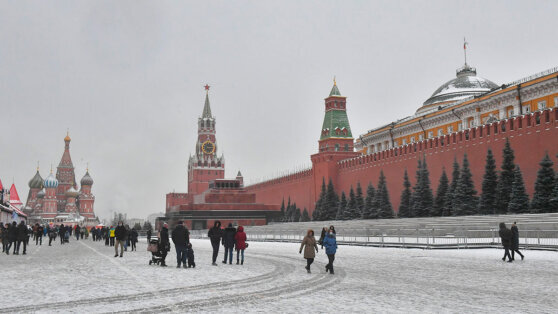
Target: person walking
x=164 y=243
x=111 y=234
x=77 y=232
x=39 y=237
x=134 y=238
x=120 y=234
x=240 y=244
x=148 y=235
x=22 y=233
x=12 y=237
x=215 y=234
x=3 y=235
x=330 y=243
x=181 y=238
x=309 y=245
x=6 y=239
x=322 y=236
x=515 y=242
x=506 y=236
x=62 y=233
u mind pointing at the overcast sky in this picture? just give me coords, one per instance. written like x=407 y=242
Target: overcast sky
x=126 y=78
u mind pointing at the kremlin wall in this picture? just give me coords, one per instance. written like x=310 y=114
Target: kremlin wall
x=468 y=114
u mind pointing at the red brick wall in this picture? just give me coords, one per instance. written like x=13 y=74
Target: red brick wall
x=528 y=139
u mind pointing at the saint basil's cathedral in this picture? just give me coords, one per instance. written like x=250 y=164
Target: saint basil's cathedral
x=57 y=199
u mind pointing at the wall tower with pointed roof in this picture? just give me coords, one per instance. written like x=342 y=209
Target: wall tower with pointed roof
x=205 y=165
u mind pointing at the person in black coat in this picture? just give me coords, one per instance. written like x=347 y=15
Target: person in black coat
x=148 y=235
x=515 y=242
x=215 y=234
x=62 y=233
x=322 y=236
x=228 y=242
x=22 y=233
x=181 y=238
x=506 y=236
x=12 y=236
x=164 y=243
x=39 y=237
x=120 y=233
x=134 y=238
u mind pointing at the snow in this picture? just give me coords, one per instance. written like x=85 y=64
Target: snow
x=85 y=276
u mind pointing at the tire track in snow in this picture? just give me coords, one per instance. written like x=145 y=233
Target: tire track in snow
x=278 y=271
x=316 y=283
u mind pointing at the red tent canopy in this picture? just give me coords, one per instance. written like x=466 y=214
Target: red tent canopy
x=14 y=197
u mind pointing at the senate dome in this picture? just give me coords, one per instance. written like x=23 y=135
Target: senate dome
x=466 y=84
x=51 y=181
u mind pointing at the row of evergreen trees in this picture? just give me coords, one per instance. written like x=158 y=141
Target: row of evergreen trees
x=376 y=204
x=502 y=192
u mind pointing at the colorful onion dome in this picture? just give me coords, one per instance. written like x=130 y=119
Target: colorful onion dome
x=51 y=181
x=36 y=182
x=86 y=180
x=72 y=192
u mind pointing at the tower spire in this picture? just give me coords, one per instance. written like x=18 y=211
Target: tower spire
x=206 y=107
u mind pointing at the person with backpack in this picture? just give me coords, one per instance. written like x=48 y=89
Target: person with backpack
x=215 y=234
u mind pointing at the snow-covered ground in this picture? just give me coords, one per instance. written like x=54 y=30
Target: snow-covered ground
x=85 y=277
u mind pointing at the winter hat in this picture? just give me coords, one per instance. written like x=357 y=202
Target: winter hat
x=165 y=225
x=230 y=224
x=179 y=222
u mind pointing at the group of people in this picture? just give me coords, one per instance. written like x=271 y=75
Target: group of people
x=181 y=239
x=309 y=244
x=231 y=238
x=13 y=235
x=120 y=236
x=510 y=241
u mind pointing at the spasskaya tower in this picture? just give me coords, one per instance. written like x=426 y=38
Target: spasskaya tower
x=205 y=165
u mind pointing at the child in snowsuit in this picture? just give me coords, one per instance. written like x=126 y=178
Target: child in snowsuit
x=191 y=262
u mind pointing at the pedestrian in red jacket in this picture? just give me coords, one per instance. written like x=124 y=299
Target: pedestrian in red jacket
x=240 y=244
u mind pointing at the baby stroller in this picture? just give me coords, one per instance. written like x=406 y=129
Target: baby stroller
x=156 y=251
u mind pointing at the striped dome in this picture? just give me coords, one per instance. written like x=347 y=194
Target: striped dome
x=51 y=181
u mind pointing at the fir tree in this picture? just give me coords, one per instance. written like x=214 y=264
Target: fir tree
x=465 y=201
x=147 y=226
x=330 y=207
x=305 y=217
x=381 y=200
x=351 y=211
x=405 y=203
x=447 y=211
x=341 y=207
x=422 y=200
x=544 y=187
x=369 y=211
x=505 y=181
x=519 y=202
x=289 y=211
x=297 y=214
x=441 y=195
x=359 y=201
x=283 y=213
x=318 y=211
x=554 y=199
x=487 y=202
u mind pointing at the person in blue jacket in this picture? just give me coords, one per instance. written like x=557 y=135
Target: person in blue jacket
x=330 y=244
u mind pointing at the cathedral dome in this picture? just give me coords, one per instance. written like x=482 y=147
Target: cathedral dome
x=36 y=182
x=72 y=192
x=86 y=180
x=466 y=84
x=41 y=194
x=51 y=181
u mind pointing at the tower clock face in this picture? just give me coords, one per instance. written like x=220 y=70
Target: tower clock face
x=208 y=147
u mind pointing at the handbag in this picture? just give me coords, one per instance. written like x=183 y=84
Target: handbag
x=246 y=244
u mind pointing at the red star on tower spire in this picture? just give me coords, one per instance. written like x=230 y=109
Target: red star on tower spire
x=207 y=87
